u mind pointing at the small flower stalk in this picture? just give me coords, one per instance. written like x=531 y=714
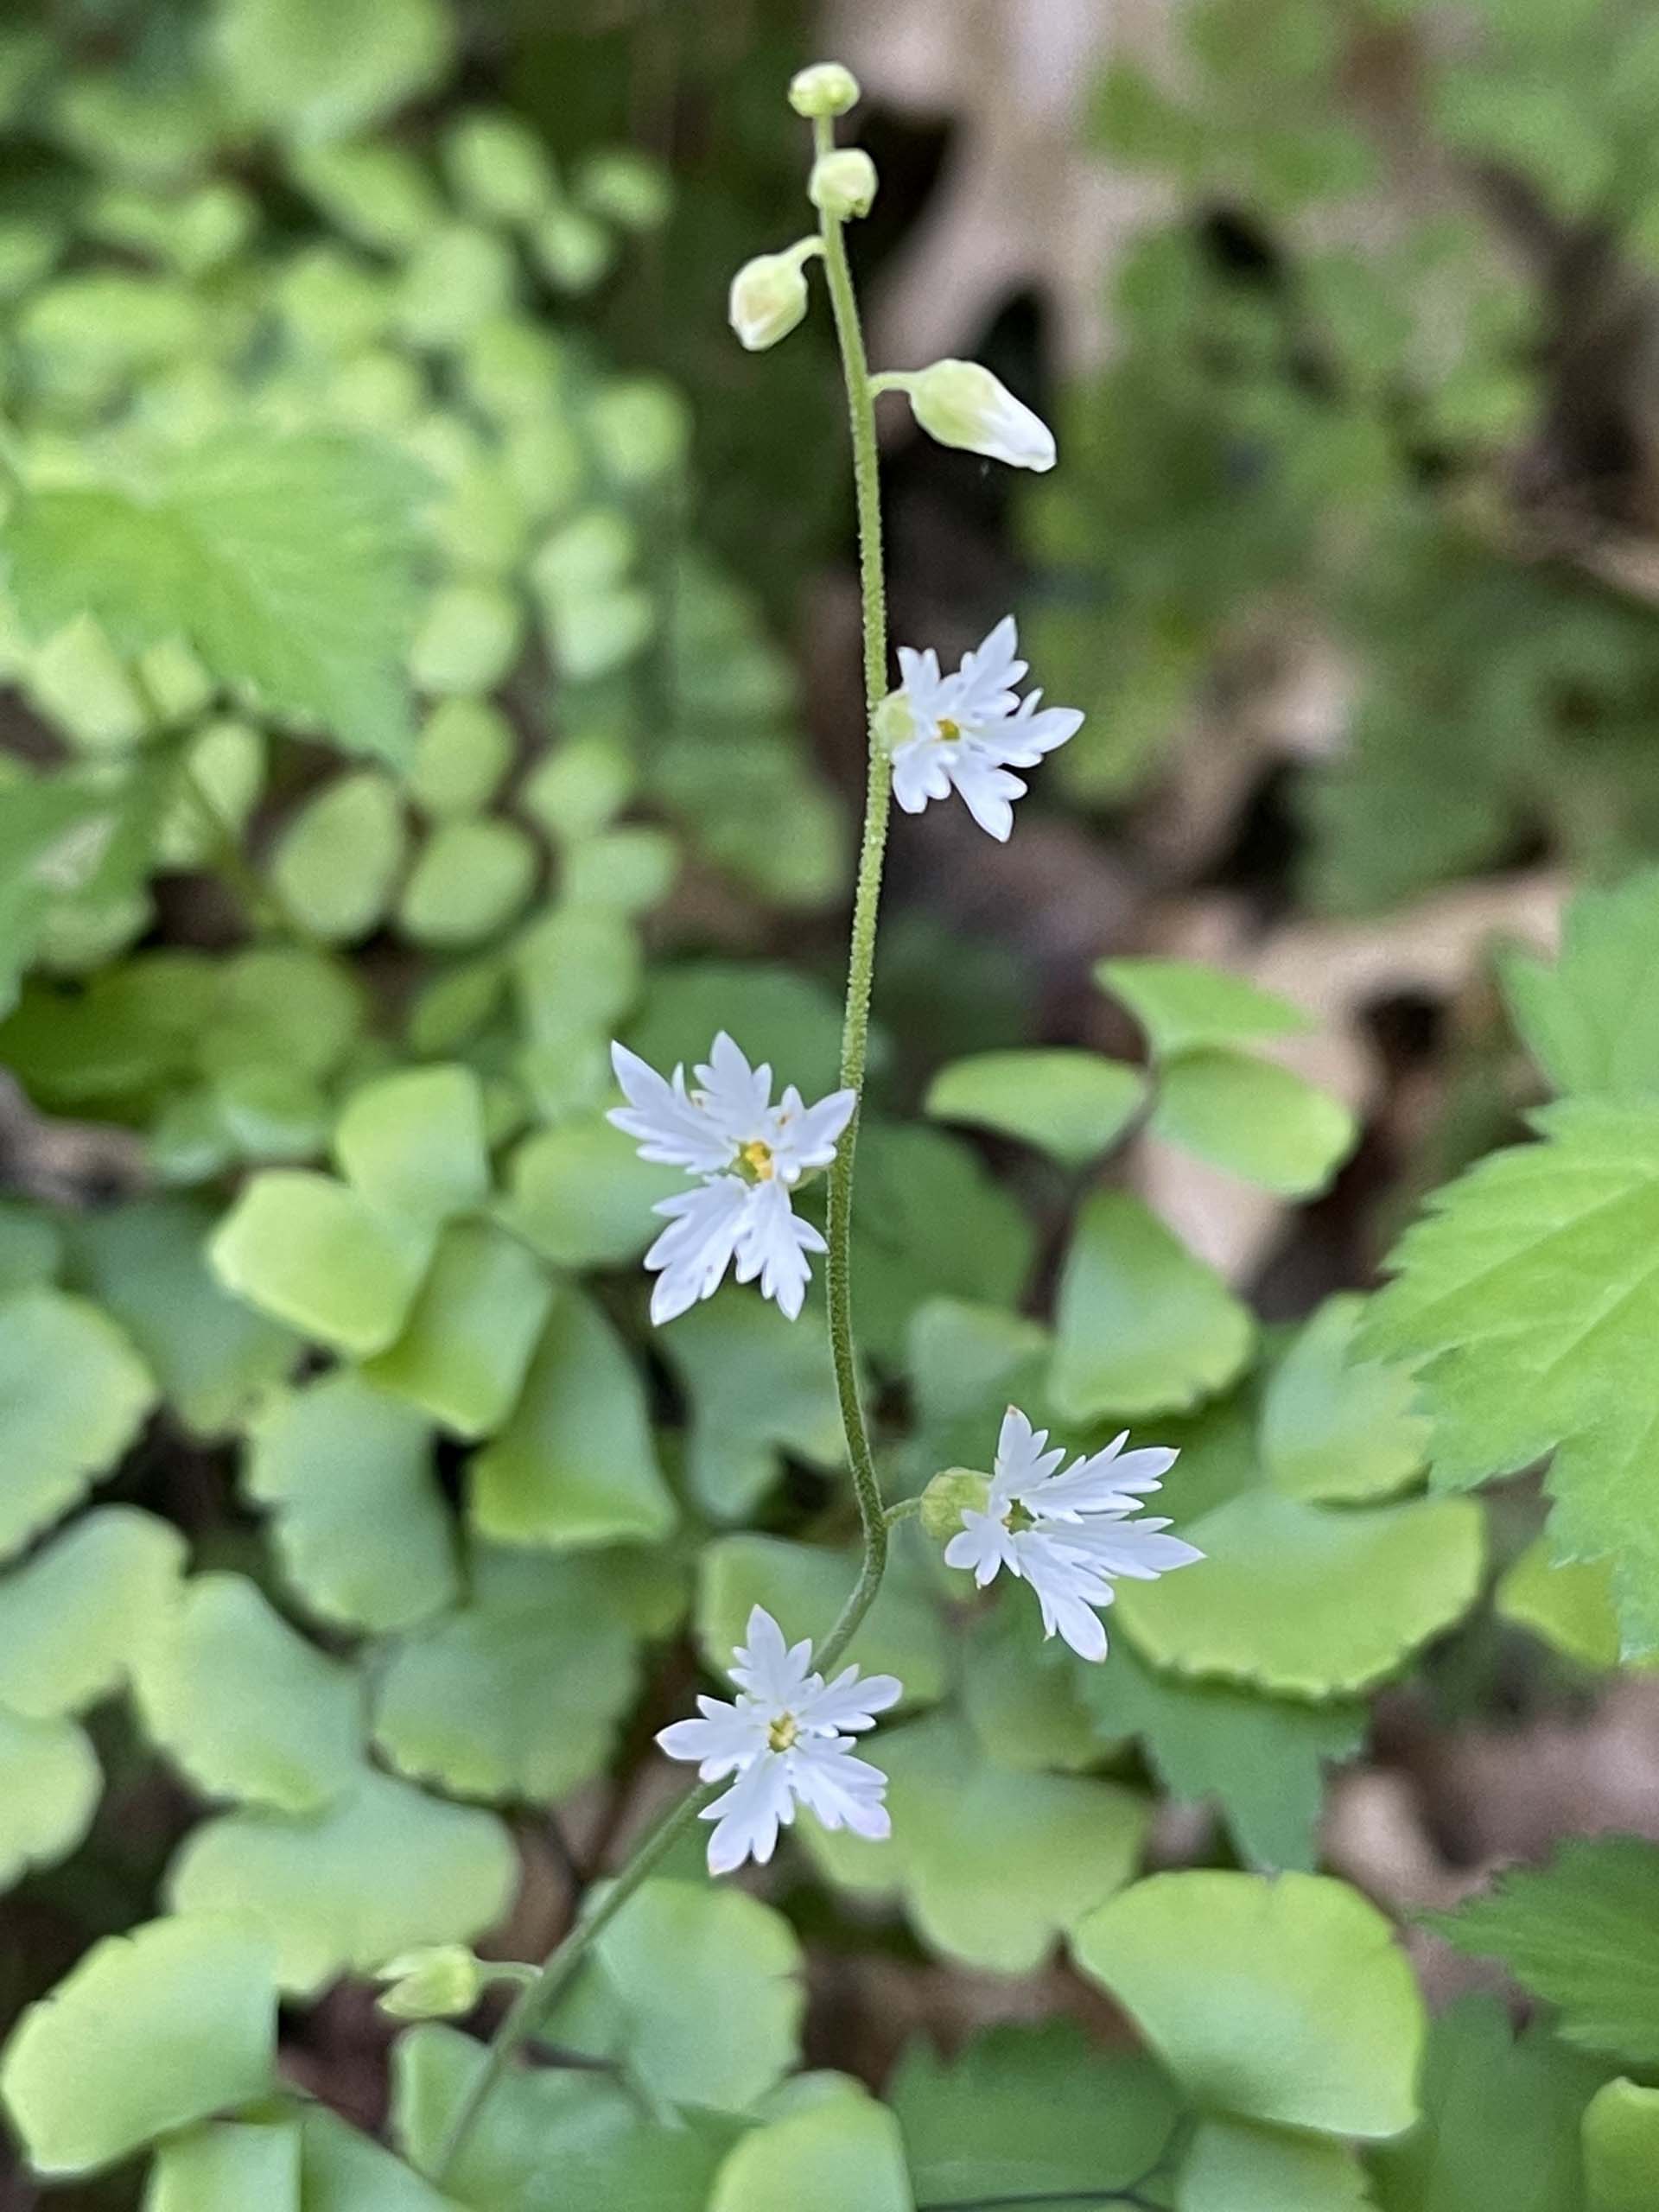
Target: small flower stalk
x=965 y=731
x=747 y=1157
x=1068 y=1535
x=788 y=1738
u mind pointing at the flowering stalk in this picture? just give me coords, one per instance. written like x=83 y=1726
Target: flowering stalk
x=861 y=966
x=535 y=2001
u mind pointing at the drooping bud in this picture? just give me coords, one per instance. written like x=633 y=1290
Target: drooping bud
x=948 y=1496
x=440 y=1981
x=844 y=184
x=962 y=404
x=769 y=295
x=826 y=89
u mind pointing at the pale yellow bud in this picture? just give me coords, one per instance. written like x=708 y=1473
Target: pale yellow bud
x=438 y=1982
x=961 y=403
x=826 y=89
x=769 y=295
x=948 y=1496
x=843 y=183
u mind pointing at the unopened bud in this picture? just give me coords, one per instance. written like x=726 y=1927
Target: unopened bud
x=961 y=403
x=894 y=722
x=769 y=295
x=948 y=1496
x=824 y=89
x=438 y=1982
x=843 y=183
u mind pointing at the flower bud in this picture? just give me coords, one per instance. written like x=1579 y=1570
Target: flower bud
x=948 y=1496
x=843 y=183
x=824 y=89
x=894 y=720
x=438 y=1982
x=769 y=295
x=961 y=403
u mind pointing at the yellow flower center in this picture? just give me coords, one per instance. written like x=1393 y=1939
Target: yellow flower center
x=947 y=732
x=783 y=1732
x=757 y=1158
x=1016 y=1519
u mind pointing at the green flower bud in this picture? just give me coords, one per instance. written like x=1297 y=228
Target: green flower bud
x=769 y=295
x=438 y=1982
x=843 y=183
x=962 y=404
x=948 y=1496
x=894 y=722
x=824 y=89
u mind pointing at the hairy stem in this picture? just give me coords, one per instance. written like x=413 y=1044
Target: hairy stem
x=861 y=966
x=536 y=1999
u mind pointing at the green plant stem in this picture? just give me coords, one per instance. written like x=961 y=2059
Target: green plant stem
x=536 y=1999
x=261 y=901
x=861 y=966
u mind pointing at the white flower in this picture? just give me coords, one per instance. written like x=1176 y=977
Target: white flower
x=748 y=1155
x=965 y=731
x=1068 y=1534
x=788 y=1739
x=962 y=404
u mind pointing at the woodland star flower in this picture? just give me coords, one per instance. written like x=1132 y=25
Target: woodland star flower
x=788 y=1738
x=1069 y=1535
x=963 y=732
x=747 y=1156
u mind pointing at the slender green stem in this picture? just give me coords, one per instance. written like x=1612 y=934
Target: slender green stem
x=536 y=1999
x=861 y=966
x=906 y=1509
x=535 y=2002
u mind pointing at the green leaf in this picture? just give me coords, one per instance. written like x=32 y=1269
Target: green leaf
x=1140 y=1326
x=316 y=71
x=1285 y=2001
x=1029 y=2113
x=318 y=1256
x=518 y=1693
x=1621 y=2148
x=1070 y=1104
x=803 y=1587
x=470 y=879
x=288 y=563
x=1591 y=1017
x=1500 y=2125
x=319 y=1887
x=1253 y=1119
x=413 y=1143
x=1020 y=1697
x=340 y=857
x=245 y=1706
x=1582 y=1933
x=148 y=2032
x=360 y=1528
x=929 y=1221
x=1335 y=1427
x=228 y=2163
x=1261 y=1759
x=840 y=2158
x=1073 y=1841
x=580 y=1193
x=966 y=1363
x=1182 y=1005
x=463 y=1353
x=1570 y=1606
x=575 y=1464
x=550 y=2136
x=76 y=1616
x=1305 y=1600
x=462 y=758
x=284 y=1006
x=1234 y=2165
x=73 y=1395
x=50 y=1784
x=758 y=1387
x=344 y=2171
x=213 y=1356
x=1518 y=1358
x=696 y=1992
x=789 y=1020
x=31 y=1247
